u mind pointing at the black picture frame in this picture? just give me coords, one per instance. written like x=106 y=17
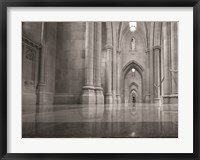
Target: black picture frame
x=4 y=4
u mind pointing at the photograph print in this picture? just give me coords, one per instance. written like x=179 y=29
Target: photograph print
x=112 y=79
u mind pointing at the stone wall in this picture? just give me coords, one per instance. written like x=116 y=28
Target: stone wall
x=39 y=39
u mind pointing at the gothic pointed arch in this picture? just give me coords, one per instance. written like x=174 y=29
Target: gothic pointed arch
x=139 y=68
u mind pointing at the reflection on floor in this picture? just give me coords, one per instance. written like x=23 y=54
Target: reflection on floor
x=124 y=120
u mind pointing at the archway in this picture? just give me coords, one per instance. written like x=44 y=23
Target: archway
x=133 y=97
x=126 y=74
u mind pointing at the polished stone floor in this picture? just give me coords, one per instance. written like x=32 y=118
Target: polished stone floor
x=104 y=121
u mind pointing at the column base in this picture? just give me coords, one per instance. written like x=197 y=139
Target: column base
x=109 y=98
x=119 y=99
x=158 y=101
x=99 y=95
x=88 y=95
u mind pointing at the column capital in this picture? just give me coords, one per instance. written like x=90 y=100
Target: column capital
x=156 y=47
x=98 y=88
x=87 y=87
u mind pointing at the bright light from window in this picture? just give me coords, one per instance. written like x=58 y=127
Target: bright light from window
x=132 y=26
x=133 y=70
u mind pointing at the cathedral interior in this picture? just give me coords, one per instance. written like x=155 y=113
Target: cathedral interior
x=99 y=79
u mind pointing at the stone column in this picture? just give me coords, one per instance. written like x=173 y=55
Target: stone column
x=147 y=97
x=88 y=96
x=162 y=64
x=166 y=57
x=157 y=66
x=98 y=88
x=109 y=97
x=151 y=77
x=174 y=59
x=157 y=80
x=118 y=77
x=41 y=83
x=114 y=71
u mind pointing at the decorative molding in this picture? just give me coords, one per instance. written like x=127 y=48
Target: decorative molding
x=157 y=47
x=30 y=53
x=30 y=42
x=88 y=88
x=98 y=88
x=171 y=95
x=31 y=49
x=29 y=83
x=134 y=64
x=133 y=84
